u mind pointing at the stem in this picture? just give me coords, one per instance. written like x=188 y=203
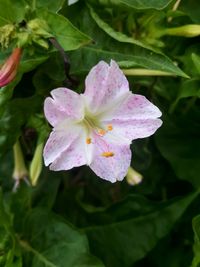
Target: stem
x=66 y=61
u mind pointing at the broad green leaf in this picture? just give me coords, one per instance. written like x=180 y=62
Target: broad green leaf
x=106 y=48
x=137 y=4
x=69 y=37
x=196 y=229
x=51 y=5
x=85 y=58
x=130 y=240
x=53 y=243
x=12 y=11
x=178 y=141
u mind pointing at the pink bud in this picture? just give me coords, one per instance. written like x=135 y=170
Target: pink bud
x=9 y=69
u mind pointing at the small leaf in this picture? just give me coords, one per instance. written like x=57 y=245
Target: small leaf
x=67 y=35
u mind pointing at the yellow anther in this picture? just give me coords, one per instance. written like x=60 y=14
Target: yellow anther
x=88 y=141
x=107 y=154
x=110 y=127
x=101 y=132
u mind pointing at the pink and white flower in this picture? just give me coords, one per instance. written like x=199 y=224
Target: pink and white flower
x=97 y=127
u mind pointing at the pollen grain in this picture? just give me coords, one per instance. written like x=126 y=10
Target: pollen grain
x=102 y=132
x=110 y=127
x=88 y=141
x=107 y=154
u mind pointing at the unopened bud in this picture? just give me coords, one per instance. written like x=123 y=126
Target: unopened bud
x=36 y=164
x=9 y=69
x=190 y=30
x=133 y=177
x=20 y=172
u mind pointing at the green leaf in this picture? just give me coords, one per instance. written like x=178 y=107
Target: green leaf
x=137 y=4
x=69 y=37
x=51 y=5
x=13 y=115
x=130 y=240
x=28 y=63
x=191 y=8
x=54 y=243
x=196 y=61
x=12 y=11
x=146 y=4
x=85 y=58
x=114 y=34
x=178 y=141
x=106 y=48
x=196 y=229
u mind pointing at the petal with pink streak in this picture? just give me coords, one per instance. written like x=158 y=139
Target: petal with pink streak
x=112 y=168
x=77 y=154
x=132 y=107
x=58 y=141
x=125 y=131
x=105 y=84
x=64 y=104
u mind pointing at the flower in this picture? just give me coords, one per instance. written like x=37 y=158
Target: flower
x=97 y=127
x=9 y=69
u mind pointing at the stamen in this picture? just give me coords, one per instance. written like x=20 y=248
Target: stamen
x=102 y=132
x=110 y=127
x=107 y=154
x=88 y=141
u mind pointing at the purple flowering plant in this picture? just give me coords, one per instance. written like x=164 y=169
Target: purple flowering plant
x=99 y=133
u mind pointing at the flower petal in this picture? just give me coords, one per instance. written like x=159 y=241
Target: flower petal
x=59 y=140
x=112 y=168
x=104 y=84
x=126 y=131
x=132 y=107
x=71 y=157
x=64 y=104
x=135 y=117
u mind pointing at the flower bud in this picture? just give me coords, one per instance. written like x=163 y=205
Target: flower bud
x=133 y=177
x=190 y=30
x=9 y=69
x=20 y=171
x=36 y=164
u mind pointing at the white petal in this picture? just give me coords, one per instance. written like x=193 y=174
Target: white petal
x=115 y=167
x=59 y=140
x=104 y=84
x=64 y=104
